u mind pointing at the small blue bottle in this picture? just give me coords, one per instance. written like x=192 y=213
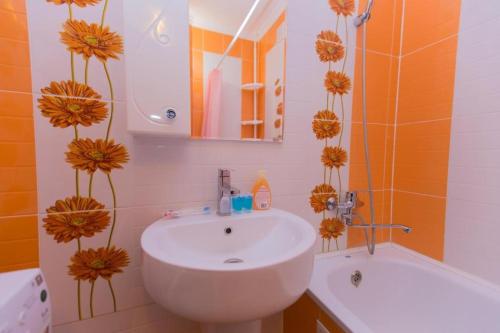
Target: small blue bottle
x=247 y=202
x=237 y=201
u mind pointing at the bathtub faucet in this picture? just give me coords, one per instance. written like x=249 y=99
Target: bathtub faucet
x=346 y=209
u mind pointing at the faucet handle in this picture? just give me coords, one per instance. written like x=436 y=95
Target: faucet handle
x=224 y=172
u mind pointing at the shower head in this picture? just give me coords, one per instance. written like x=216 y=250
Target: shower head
x=365 y=16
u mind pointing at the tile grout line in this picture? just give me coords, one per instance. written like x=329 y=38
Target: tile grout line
x=430 y=45
x=401 y=35
x=422 y=194
x=391 y=69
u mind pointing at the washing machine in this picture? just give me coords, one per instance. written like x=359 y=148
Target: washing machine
x=24 y=302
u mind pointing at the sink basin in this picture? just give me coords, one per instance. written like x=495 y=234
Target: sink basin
x=228 y=269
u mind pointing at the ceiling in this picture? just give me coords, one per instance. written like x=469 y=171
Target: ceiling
x=225 y=16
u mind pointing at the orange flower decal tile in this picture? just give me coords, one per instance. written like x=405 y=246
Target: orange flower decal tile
x=328 y=124
x=342 y=7
x=79 y=3
x=103 y=262
x=88 y=155
x=70 y=103
x=75 y=217
x=329 y=46
x=91 y=40
x=73 y=103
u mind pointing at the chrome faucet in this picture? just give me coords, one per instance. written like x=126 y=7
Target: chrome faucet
x=224 y=192
x=346 y=210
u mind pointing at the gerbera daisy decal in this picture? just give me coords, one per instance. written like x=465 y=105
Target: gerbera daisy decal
x=79 y=3
x=279 y=109
x=331 y=228
x=69 y=103
x=75 y=217
x=104 y=262
x=73 y=103
x=320 y=196
x=334 y=157
x=91 y=40
x=88 y=155
x=329 y=46
x=342 y=7
x=337 y=83
x=325 y=125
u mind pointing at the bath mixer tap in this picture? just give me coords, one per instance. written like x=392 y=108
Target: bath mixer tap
x=347 y=214
x=224 y=189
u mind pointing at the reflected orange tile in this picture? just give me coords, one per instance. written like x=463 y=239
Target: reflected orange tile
x=427 y=83
x=426 y=215
x=13 y=25
x=213 y=42
x=429 y=21
x=197 y=99
x=247 y=72
x=247 y=50
x=197 y=65
x=422 y=153
x=236 y=49
x=196 y=35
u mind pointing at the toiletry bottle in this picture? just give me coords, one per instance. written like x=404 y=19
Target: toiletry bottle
x=261 y=192
x=225 y=204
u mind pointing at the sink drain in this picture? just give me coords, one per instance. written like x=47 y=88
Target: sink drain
x=233 y=261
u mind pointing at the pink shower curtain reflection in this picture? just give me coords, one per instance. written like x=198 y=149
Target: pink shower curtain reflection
x=213 y=104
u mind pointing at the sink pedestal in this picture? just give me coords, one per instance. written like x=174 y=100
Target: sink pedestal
x=246 y=327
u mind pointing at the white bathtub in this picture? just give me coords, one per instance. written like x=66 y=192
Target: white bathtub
x=403 y=292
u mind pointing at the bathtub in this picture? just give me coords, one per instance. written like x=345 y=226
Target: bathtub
x=403 y=292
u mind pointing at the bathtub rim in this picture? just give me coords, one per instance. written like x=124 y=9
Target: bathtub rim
x=348 y=320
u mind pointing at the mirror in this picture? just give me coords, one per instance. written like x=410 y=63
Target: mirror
x=237 y=54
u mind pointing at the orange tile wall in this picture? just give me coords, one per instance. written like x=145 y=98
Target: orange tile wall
x=427 y=79
x=410 y=92
x=18 y=203
x=383 y=40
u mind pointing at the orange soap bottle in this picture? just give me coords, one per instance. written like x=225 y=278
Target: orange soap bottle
x=261 y=192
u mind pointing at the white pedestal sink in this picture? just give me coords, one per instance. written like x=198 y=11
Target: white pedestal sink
x=228 y=272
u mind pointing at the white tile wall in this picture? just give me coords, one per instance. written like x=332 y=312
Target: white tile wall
x=472 y=217
x=169 y=173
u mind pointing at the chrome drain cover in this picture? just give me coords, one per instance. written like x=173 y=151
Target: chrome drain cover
x=356 y=278
x=233 y=261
